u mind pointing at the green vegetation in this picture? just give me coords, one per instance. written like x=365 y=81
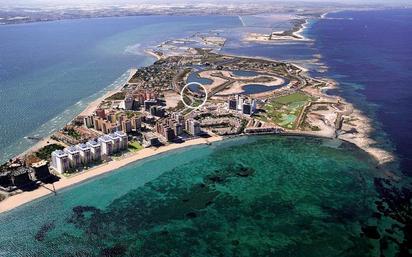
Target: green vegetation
x=130 y=114
x=117 y=96
x=45 y=152
x=135 y=146
x=73 y=133
x=284 y=110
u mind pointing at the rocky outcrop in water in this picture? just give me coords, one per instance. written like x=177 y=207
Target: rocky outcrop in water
x=41 y=234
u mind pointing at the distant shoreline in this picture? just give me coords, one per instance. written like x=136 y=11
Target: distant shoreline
x=23 y=19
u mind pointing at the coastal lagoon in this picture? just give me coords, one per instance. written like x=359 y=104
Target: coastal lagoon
x=247 y=196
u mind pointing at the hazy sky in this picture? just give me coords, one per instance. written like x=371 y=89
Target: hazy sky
x=40 y=3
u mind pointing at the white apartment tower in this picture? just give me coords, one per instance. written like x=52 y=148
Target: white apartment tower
x=85 y=153
x=106 y=145
x=95 y=150
x=60 y=161
x=74 y=156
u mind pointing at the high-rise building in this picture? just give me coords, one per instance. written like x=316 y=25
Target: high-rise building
x=116 y=142
x=127 y=126
x=239 y=102
x=106 y=144
x=95 y=150
x=41 y=170
x=149 y=103
x=128 y=102
x=232 y=104
x=88 y=121
x=123 y=139
x=74 y=156
x=101 y=113
x=136 y=123
x=111 y=117
x=178 y=117
x=253 y=106
x=60 y=161
x=97 y=123
x=247 y=108
x=85 y=153
x=193 y=127
x=169 y=133
x=158 y=111
x=178 y=129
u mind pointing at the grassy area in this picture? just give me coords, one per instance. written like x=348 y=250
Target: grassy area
x=73 y=133
x=135 y=146
x=129 y=114
x=284 y=110
x=117 y=96
x=45 y=152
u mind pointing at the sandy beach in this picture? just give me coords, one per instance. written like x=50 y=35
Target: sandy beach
x=93 y=105
x=25 y=197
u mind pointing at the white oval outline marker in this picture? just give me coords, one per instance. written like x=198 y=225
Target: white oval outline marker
x=193 y=83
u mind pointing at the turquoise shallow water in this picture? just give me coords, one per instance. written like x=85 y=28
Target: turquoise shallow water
x=249 y=196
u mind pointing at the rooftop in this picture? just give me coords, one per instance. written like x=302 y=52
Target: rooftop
x=59 y=153
x=120 y=133
x=83 y=146
x=72 y=149
x=93 y=143
x=105 y=138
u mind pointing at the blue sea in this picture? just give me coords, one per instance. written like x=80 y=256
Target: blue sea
x=247 y=196
x=50 y=71
x=369 y=53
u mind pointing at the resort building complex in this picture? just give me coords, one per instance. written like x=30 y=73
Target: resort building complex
x=75 y=157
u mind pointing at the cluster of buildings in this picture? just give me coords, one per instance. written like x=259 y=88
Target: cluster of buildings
x=134 y=100
x=223 y=125
x=173 y=127
x=19 y=174
x=161 y=73
x=112 y=121
x=242 y=104
x=154 y=107
x=75 y=157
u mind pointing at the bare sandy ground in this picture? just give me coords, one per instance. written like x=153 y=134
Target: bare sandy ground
x=172 y=99
x=217 y=81
x=236 y=87
x=25 y=197
x=273 y=38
